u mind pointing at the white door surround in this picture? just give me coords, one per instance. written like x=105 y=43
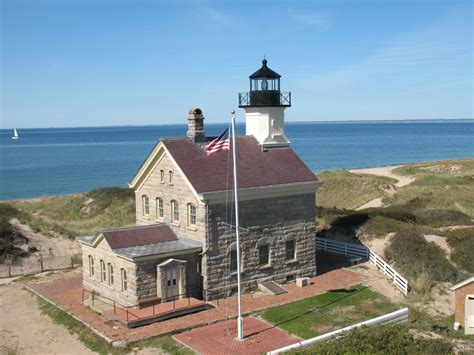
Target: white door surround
x=171 y=279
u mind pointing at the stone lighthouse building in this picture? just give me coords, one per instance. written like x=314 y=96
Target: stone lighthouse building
x=184 y=242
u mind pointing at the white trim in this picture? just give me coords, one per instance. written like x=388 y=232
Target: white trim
x=172 y=260
x=260 y=192
x=463 y=283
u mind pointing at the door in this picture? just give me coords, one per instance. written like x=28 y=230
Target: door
x=469 y=314
x=172 y=283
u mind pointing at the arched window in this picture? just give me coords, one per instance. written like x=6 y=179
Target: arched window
x=91 y=266
x=159 y=208
x=123 y=273
x=191 y=214
x=145 y=205
x=174 y=211
x=103 y=275
x=171 y=176
x=162 y=176
x=111 y=274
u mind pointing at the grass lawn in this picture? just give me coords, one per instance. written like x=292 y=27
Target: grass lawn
x=330 y=311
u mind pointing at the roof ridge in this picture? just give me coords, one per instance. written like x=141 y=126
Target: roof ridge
x=135 y=227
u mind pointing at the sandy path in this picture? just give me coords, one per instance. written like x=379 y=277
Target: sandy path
x=388 y=172
x=24 y=330
x=383 y=171
x=439 y=241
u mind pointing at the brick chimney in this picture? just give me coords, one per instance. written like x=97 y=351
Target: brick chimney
x=196 y=126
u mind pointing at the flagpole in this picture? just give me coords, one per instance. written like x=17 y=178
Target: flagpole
x=240 y=324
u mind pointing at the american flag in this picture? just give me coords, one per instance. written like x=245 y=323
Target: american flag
x=218 y=144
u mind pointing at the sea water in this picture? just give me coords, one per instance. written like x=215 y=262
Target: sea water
x=58 y=161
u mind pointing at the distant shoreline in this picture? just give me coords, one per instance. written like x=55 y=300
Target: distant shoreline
x=414 y=120
x=362 y=170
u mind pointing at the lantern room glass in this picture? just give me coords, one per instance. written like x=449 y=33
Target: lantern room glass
x=264 y=84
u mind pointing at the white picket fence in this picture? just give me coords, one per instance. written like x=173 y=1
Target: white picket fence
x=399 y=316
x=356 y=250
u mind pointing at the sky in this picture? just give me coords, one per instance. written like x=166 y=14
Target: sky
x=70 y=63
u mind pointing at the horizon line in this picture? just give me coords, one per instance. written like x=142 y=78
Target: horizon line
x=287 y=122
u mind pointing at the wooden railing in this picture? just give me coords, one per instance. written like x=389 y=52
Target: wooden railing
x=356 y=250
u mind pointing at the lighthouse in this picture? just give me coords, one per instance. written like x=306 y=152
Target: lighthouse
x=264 y=107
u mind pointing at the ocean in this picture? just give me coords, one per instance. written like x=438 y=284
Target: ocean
x=56 y=161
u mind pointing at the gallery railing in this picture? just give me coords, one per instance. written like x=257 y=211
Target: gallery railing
x=132 y=313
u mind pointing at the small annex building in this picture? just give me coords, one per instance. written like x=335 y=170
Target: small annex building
x=464 y=304
x=184 y=242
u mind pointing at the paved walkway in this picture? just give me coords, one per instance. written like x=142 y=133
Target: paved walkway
x=220 y=338
x=67 y=294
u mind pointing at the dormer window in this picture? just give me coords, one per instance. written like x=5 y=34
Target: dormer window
x=145 y=205
x=170 y=176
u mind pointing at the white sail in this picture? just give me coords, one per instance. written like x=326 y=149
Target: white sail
x=15 y=134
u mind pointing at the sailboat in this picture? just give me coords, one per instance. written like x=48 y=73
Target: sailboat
x=15 y=134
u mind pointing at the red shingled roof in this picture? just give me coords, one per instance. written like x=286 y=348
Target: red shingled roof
x=135 y=236
x=255 y=167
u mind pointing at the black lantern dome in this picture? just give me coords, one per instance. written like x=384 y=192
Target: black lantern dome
x=264 y=90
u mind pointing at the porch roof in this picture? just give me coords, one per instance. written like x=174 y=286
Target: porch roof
x=180 y=244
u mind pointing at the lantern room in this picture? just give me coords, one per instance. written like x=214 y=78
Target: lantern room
x=264 y=90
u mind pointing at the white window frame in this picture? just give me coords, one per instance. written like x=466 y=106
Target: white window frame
x=123 y=274
x=160 y=212
x=145 y=205
x=110 y=268
x=103 y=272
x=192 y=212
x=174 y=211
x=91 y=266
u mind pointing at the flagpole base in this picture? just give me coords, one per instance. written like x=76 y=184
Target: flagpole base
x=240 y=328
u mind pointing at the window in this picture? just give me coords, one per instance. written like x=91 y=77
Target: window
x=123 y=273
x=263 y=255
x=171 y=176
x=233 y=260
x=91 y=266
x=103 y=275
x=174 y=211
x=191 y=214
x=111 y=274
x=162 y=176
x=145 y=205
x=159 y=208
x=290 y=250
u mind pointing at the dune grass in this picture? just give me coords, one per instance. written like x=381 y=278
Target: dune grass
x=343 y=189
x=386 y=339
x=81 y=214
x=447 y=185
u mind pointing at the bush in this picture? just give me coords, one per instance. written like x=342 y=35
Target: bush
x=8 y=237
x=414 y=256
x=388 y=339
x=461 y=242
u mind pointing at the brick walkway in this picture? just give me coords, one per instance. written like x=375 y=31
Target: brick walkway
x=220 y=338
x=67 y=293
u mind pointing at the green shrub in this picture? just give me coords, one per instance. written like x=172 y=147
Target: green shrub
x=414 y=256
x=9 y=239
x=461 y=242
x=388 y=339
